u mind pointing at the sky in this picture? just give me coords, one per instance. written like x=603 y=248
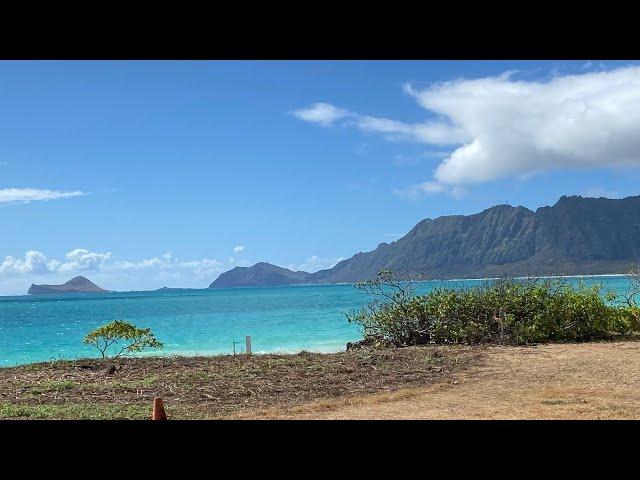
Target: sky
x=144 y=174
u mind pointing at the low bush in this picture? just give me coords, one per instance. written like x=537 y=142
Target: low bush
x=505 y=311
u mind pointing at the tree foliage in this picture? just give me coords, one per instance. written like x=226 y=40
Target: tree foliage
x=122 y=338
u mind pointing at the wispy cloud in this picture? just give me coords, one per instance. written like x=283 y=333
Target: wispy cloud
x=434 y=132
x=321 y=113
x=315 y=263
x=404 y=161
x=420 y=190
x=238 y=248
x=26 y=195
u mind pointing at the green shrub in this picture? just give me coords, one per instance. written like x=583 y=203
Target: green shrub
x=122 y=338
x=505 y=311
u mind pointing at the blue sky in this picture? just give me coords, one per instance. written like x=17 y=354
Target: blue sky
x=145 y=174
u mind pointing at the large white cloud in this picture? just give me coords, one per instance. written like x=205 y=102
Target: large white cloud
x=26 y=195
x=500 y=127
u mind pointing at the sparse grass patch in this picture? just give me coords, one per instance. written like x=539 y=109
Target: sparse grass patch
x=216 y=386
x=77 y=411
x=52 y=386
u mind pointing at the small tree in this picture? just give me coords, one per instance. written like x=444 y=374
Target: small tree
x=123 y=336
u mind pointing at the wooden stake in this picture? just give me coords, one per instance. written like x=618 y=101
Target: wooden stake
x=248 y=344
x=158 y=410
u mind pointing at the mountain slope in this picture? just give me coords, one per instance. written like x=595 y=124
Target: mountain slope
x=75 y=285
x=575 y=236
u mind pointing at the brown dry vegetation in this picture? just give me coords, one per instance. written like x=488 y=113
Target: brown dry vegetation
x=554 y=381
x=588 y=380
x=217 y=386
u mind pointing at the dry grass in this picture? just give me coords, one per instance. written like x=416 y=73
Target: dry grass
x=217 y=386
x=555 y=381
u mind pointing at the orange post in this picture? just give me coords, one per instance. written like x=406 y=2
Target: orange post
x=158 y=410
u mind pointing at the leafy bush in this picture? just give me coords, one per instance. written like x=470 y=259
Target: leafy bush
x=122 y=338
x=505 y=311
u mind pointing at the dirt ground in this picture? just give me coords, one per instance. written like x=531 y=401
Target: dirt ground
x=216 y=386
x=563 y=381
x=555 y=381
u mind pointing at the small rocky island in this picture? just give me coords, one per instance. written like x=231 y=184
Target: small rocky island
x=75 y=285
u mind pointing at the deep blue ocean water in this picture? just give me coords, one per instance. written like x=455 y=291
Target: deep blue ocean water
x=189 y=322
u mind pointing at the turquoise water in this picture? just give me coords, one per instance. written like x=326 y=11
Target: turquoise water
x=190 y=322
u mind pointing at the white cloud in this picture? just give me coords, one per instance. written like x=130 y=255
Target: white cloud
x=420 y=190
x=26 y=195
x=499 y=127
x=322 y=113
x=437 y=133
x=82 y=259
x=33 y=262
x=238 y=248
x=202 y=268
x=517 y=127
x=394 y=130
x=34 y=267
x=36 y=262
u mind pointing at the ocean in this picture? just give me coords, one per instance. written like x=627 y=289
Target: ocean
x=197 y=322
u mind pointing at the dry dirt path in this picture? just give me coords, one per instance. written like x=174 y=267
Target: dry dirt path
x=559 y=381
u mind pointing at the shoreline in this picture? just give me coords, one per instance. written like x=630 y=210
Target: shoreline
x=177 y=354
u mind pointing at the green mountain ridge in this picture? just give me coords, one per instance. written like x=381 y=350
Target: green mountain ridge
x=576 y=236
